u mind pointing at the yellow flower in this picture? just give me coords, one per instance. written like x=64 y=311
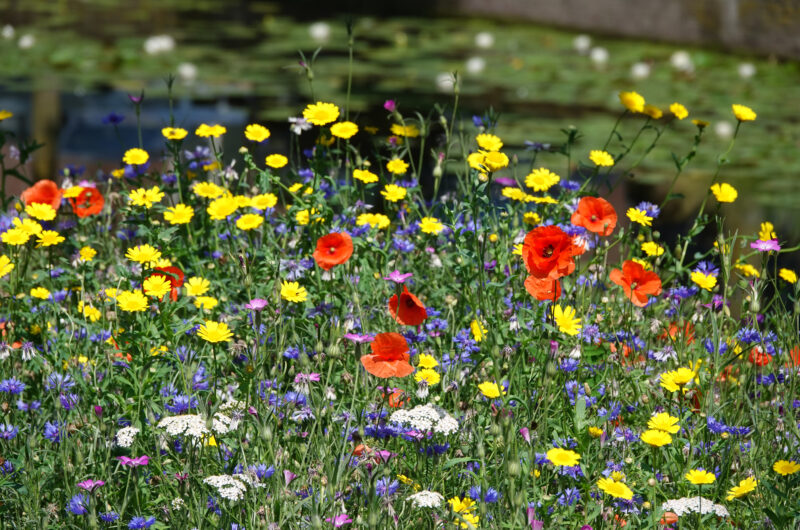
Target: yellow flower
x=143 y=254
x=374 y=220
x=566 y=320
x=174 y=133
x=208 y=190
x=616 y=489
x=90 y=312
x=156 y=286
x=196 y=286
x=256 y=132
x=656 y=438
x=705 y=281
x=321 y=113
x=495 y=160
x=431 y=377
x=653 y=111
x=5 y=114
x=293 y=292
x=111 y=294
x=677 y=379
x=788 y=275
x=49 y=238
x=786 y=467
x=276 y=161
x=205 y=302
x=249 y=221
x=295 y=187
x=393 y=193
x=489 y=142
x=132 y=301
x=28 y=226
x=664 y=422
x=490 y=390
x=767 y=232
x=5 y=265
x=430 y=225
x=678 y=110
x=639 y=216
x=179 y=214
x=743 y=113
x=601 y=158
x=531 y=218
x=595 y=432
x=427 y=361
x=478 y=330
x=516 y=250
x=303 y=217
x=118 y=173
x=135 y=157
x=745 y=486
x=701 y=124
x=344 y=129
x=40 y=211
x=651 y=248
x=632 y=101
x=724 y=192
x=87 y=253
x=264 y=201
x=72 y=192
x=15 y=236
x=475 y=160
x=563 y=457
x=698 y=477
x=365 y=176
x=204 y=130
x=747 y=270
x=397 y=166
x=214 y=332
x=221 y=208
x=146 y=198
x=409 y=131
x=40 y=292
x=541 y=179
x=515 y=194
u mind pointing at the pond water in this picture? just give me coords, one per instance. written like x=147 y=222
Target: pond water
x=65 y=65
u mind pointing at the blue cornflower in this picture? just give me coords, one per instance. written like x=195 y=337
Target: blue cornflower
x=649 y=208
x=707 y=268
x=384 y=487
x=492 y=495
x=569 y=365
x=28 y=407
x=181 y=404
x=474 y=493
x=262 y=471
x=570 y=185
x=52 y=431
x=569 y=497
x=8 y=432
x=748 y=335
x=199 y=379
x=56 y=381
x=77 y=504
x=12 y=386
x=109 y=517
x=113 y=118
x=402 y=245
x=141 y=522
x=68 y=400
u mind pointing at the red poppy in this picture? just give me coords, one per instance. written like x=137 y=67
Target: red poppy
x=407 y=310
x=175 y=278
x=88 y=202
x=668 y=519
x=397 y=399
x=389 y=356
x=548 y=252
x=637 y=282
x=333 y=249
x=595 y=215
x=543 y=288
x=759 y=357
x=675 y=331
x=43 y=192
x=794 y=355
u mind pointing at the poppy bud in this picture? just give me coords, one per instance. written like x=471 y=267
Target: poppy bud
x=514 y=469
x=651 y=482
x=495 y=430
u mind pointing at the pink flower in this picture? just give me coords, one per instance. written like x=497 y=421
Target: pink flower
x=256 y=304
x=765 y=246
x=339 y=520
x=288 y=476
x=90 y=485
x=134 y=462
x=358 y=339
x=390 y=105
x=398 y=277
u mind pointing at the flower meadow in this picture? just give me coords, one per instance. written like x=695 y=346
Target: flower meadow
x=393 y=324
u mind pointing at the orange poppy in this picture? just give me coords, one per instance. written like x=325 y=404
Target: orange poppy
x=407 y=309
x=548 y=252
x=43 y=192
x=397 y=399
x=595 y=215
x=669 y=518
x=759 y=357
x=637 y=282
x=543 y=288
x=88 y=202
x=389 y=356
x=175 y=278
x=333 y=249
x=794 y=355
x=674 y=331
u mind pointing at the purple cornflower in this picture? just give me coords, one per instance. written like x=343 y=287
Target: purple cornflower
x=8 y=432
x=569 y=497
x=109 y=517
x=90 y=485
x=707 y=268
x=339 y=521
x=649 y=208
x=386 y=488
x=134 y=462
x=140 y=522
x=12 y=386
x=398 y=277
x=181 y=404
x=52 y=431
x=56 y=381
x=256 y=304
x=113 y=118
x=765 y=246
x=77 y=504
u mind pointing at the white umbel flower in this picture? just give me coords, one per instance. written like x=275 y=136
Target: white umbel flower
x=228 y=486
x=426 y=499
x=126 y=435
x=427 y=418
x=701 y=505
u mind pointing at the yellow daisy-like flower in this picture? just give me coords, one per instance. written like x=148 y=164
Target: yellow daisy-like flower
x=293 y=292
x=563 y=457
x=541 y=179
x=515 y=194
x=90 y=312
x=135 y=157
x=303 y=217
x=643 y=263
x=489 y=142
x=601 y=158
x=110 y=293
x=40 y=211
x=475 y=160
x=374 y=220
x=490 y=390
x=747 y=270
x=595 y=432
x=566 y=320
x=724 y=192
x=15 y=236
x=495 y=160
x=156 y=286
x=705 y=281
x=767 y=231
x=344 y=129
x=743 y=113
x=264 y=201
x=40 y=292
x=427 y=361
x=5 y=114
x=698 y=477
x=430 y=225
x=28 y=226
x=516 y=250
x=87 y=254
x=639 y=216
x=49 y=238
x=531 y=218
x=478 y=330
x=5 y=265
x=394 y=193
x=256 y=133
x=651 y=248
x=786 y=467
x=143 y=254
x=196 y=286
x=249 y=221
x=664 y=422
x=214 y=332
x=205 y=302
x=632 y=101
x=653 y=111
x=656 y=438
x=208 y=190
x=221 y=208
x=675 y=380
x=397 y=166
x=431 y=377
x=320 y=113
x=276 y=161
x=618 y=490
x=205 y=131
x=72 y=192
x=132 y=301
x=365 y=176
x=409 y=131
x=788 y=275
x=180 y=214
x=146 y=197
x=678 y=110
x=745 y=486
x=174 y=133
